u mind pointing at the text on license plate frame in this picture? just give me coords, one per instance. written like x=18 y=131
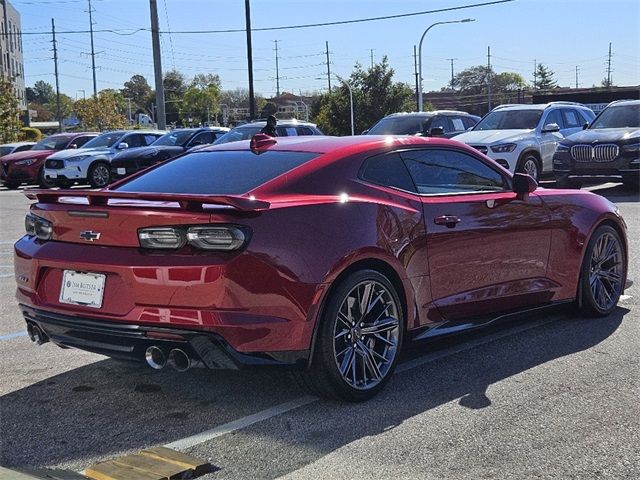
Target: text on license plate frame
x=82 y=288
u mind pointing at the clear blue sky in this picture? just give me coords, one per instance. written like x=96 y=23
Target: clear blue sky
x=561 y=34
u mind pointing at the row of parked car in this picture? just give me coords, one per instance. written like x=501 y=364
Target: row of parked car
x=563 y=138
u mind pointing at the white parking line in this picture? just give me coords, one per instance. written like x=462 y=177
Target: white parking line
x=249 y=420
x=9 y=336
x=7 y=275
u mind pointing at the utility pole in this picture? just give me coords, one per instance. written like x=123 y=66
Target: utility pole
x=161 y=119
x=451 y=60
x=609 y=67
x=535 y=73
x=277 y=71
x=252 y=103
x=577 y=76
x=415 y=63
x=328 y=67
x=372 y=58
x=93 y=53
x=55 y=65
x=489 y=77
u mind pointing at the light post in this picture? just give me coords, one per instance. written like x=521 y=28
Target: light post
x=465 y=20
x=350 y=101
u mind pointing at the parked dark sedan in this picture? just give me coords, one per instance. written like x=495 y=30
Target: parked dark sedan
x=608 y=150
x=439 y=123
x=167 y=146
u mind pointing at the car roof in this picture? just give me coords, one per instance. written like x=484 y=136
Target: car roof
x=538 y=106
x=324 y=144
x=428 y=114
x=281 y=123
x=624 y=102
x=17 y=144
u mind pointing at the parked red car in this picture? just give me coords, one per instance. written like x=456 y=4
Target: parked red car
x=27 y=167
x=316 y=252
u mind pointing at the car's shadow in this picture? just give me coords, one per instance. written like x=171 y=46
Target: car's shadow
x=104 y=408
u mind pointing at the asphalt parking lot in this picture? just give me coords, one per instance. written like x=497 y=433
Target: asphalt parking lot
x=547 y=396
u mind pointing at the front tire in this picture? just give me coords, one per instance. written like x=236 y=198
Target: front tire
x=99 y=175
x=358 y=339
x=603 y=273
x=530 y=165
x=43 y=181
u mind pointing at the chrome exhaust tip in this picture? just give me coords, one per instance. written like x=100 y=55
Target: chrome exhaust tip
x=155 y=358
x=37 y=335
x=179 y=360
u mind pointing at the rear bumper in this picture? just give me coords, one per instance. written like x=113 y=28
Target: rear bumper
x=130 y=341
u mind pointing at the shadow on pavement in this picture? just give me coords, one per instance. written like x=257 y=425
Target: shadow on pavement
x=104 y=408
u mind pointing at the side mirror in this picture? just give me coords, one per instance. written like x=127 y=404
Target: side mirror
x=585 y=126
x=122 y=146
x=524 y=184
x=550 y=128
x=436 y=132
x=73 y=145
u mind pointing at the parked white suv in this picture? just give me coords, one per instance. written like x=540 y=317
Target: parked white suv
x=523 y=138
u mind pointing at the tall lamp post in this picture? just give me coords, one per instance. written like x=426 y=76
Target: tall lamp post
x=350 y=101
x=465 y=20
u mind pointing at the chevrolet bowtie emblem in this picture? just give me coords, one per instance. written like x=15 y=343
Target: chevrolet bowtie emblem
x=90 y=235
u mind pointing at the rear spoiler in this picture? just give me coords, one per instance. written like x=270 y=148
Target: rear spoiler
x=185 y=200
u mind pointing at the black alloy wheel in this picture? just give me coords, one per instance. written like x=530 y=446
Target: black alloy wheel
x=99 y=175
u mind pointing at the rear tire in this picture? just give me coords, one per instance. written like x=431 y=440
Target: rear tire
x=99 y=175
x=358 y=339
x=43 y=181
x=603 y=273
x=529 y=164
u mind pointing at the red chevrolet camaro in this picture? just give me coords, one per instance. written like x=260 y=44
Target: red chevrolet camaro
x=321 y=253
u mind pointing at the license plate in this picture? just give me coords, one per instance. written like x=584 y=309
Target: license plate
x=82 y=288
x=52 y=175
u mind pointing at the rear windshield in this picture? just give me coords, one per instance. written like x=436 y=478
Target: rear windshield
x=238 y=134
x=399 y=126
x=223 y=173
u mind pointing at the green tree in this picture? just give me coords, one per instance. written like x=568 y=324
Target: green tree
x=543 y=78
x=102 y=113
x=472 y=87
x=138 y=90
x=201 y=100
x=175 y=86
x=43 y=93
x=9 y=113
x=375 y=95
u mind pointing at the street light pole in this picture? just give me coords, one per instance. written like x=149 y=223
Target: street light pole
x=465 y=20
x=350 y=101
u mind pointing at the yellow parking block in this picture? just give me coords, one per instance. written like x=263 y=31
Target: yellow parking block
x=198 y=466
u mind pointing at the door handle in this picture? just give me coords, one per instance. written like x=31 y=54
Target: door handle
x=449 y=221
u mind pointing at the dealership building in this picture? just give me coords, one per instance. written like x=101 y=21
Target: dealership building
x=11 y=59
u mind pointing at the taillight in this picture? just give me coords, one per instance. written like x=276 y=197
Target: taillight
x=206 y=237
x=38 y=226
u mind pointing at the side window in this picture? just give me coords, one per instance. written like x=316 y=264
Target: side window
x=450 y=171
x=304 y=131
x=23 y=148
x=149 y=139
x=440 y=121
x=387 y=170
x=80 y=141
x=458 y=124
x=468 y=122
x=554 y=116
x=202 y=139
x=134 y=140
x=571 y=118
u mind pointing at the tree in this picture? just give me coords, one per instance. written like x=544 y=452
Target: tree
x=102 y=113
x=175 y=87
x=201 y=100
x=138 y=90
x=375 y=95
x=9 y=113
x=43 y=93
x=543 y=78
x=606 y=83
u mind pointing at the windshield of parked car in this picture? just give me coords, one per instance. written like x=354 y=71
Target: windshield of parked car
x=52 y=143
x=510 y=120
x=238 y=134
x=622 y=116
x=175 y=138
x=5 y=151
x=223 y=173
x=104 y=140
x=399 y=126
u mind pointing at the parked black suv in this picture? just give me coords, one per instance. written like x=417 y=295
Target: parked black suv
x=439 y=123
x=608 y=150
x=167 y=146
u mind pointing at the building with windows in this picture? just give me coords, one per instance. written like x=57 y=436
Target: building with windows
x=11 y=60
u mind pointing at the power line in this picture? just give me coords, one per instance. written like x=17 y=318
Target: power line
x=286 y=27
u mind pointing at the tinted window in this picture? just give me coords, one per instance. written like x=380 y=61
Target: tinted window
x=23 y=148
x=227 y=172
x=149 y=139
x=554 y=116
x=450 y=171
x=510 y=120
x=52 y=143
x=305 y=131
x=387 y=170
x=202 y=139
x=623 y=116
x=440 y=121
x=286 y=131
x=239 y=133
x=5 y=150
x=571 y=119
x=468 y=122
x=135 y=140
x=175 y=138
x=104 y=140
x=458 y=124
x=80 y=141
x=399 y=125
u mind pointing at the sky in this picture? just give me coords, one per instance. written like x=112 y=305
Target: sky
x=561 y=34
